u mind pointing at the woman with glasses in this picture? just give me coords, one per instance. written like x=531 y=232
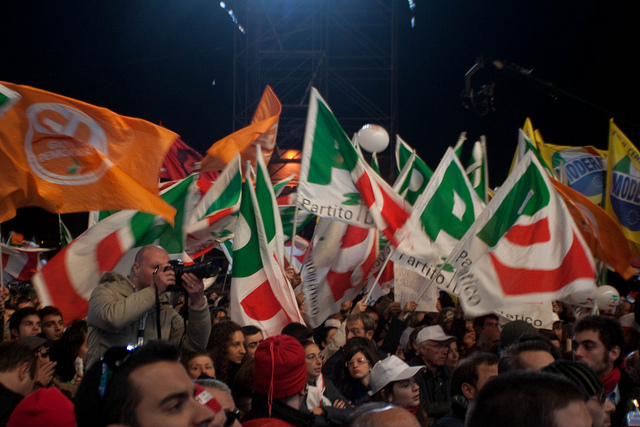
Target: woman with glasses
x=323 y=398
x=359 y=357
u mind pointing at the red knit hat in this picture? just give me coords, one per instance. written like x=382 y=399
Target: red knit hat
x=279 y=368
x=46 y=407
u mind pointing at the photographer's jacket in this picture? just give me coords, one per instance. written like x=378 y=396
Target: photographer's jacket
x=116 y=311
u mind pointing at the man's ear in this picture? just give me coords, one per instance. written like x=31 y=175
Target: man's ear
x=468 y=390
x=369 y=335
x=24 y=371
x=14 y=332
x=135 y=268
x=614 y=353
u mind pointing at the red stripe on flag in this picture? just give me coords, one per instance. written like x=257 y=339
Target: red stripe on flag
x=63 y=294
x=339 y=283
x=108 y=252
x=529 y=234
x=521 y=281
x=353 y=236
x=261 y=304
x=211 y=219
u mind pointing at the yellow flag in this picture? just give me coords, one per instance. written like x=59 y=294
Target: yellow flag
x=623 y=183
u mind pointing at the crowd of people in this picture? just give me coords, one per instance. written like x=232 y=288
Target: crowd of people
x=140 y=359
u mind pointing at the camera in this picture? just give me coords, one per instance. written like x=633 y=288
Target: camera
x=201 y=270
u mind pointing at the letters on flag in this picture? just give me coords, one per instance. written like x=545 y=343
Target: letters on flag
x=623 y=183
x=336 y=268
x=64 y=155
x=440 y=218
x=523 y=248
x=261 y=131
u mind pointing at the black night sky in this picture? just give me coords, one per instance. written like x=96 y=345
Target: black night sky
x=157 y=59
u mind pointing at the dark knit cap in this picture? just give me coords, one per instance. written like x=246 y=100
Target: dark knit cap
x=514 y=330
x=579 y=374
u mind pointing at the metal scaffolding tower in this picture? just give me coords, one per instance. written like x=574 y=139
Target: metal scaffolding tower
x=346 y=49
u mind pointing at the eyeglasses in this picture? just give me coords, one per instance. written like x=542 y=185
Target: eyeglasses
x=231 y=415
x=113 y=359
x=359 y=361
x=314 y=357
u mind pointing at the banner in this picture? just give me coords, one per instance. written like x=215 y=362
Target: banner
x=64 y=156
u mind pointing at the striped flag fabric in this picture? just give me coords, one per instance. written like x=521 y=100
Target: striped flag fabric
x=8 y=98
x=260 y=292
x=478 y=169
x=68 y=279
x=20 y=263
x=65 y=234
x=523 y=248
x=419 y=174
x=337 y=267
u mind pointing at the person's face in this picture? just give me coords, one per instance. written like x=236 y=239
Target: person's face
x=30 y=326
x=485 y=373
x=405 y=393
x=534 y=360
x=225 y=400
x=329 y=338
x=313 y=360
x=490 y=322
x=453 y=356
x=152 y=258
x=588 y=349
x=575 y=414
x=358 y=366
x=251 y=343
x=356 y=329
x=201 y=365
x=375 y=318
x=600 y=412
x=235 y=348
x=167 y=397
x=52 y=327
x=434 y=353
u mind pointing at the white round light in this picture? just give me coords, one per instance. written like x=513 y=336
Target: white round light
x=373 y=138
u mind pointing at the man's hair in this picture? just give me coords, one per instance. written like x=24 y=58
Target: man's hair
x=298 y=331
x=49 y=311
x=14 y=354
x=609 y=330
x=467 y=370
x=510 y=356
x=479 y=321
x=525 y=399
x=121 y=396
x=18 y=315
x=367 y=321
x=250 y=330
x=213 y=383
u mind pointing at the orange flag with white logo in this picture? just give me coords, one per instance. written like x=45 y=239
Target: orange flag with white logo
x=64 y=155
x=261 y=131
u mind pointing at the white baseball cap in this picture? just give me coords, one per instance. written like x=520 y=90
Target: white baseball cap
x=433 y=333
x=389 y=370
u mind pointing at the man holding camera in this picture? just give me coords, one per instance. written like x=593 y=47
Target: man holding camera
x=132 y=311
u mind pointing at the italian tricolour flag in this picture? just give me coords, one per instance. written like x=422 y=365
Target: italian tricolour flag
x=523 y=248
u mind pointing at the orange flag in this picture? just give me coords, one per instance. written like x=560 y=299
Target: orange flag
x=601 y=233
x=261 y=131
x=64 y=156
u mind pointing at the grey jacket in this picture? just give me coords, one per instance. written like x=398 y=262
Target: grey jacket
x=116 y=310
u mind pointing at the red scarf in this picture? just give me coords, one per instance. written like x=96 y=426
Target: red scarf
x=611 y=380
x=413 y=410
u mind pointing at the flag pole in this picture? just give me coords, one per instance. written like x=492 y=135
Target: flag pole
x=384 y=265
x=293 y=233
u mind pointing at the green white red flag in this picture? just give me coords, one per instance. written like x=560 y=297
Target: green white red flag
x=337 y=267
x=440 y=218
x=20 y=263
x=68 y=279
x=523 y=248
x=214 y=217
x=260 y=292
x=419 y=174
